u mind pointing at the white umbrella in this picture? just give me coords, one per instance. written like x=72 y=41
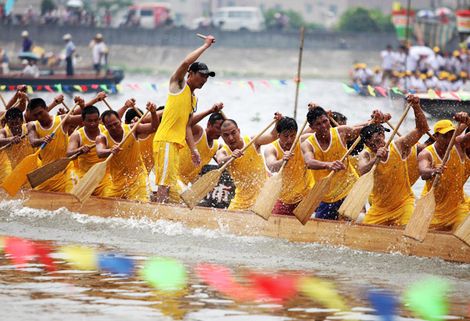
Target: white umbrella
x=75 y=3
x=420 y=51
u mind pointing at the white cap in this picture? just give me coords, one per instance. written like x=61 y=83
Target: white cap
x=67 y=36
x=25 y=33
x=99 y=36
x=24 y=62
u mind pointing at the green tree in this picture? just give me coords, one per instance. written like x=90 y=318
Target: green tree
x=358 y=19
x=383 y=21
x=47 y=5
x=295 y=19
x=113 y=5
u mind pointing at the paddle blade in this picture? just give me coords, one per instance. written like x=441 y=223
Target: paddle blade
x=89 y=182
x=268 y=196
x=200 y=188
x=418 y=226
x=17 y=178
x=463 y=231
x=357 y=197
x=45 y=172
x=312 y=200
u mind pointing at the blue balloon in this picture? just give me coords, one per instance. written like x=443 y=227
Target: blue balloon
x=384 y=303
x=116 y=264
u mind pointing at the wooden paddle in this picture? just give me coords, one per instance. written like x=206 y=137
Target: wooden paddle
x=42 y=174
x=312 y=200
x=463 y=231
x=271 y=189
x=17 y=178
x=90 y=181
x=3 y=101
x=399 y=135
x=208 y=181
x=357 y=197
x=418 y=226
x=299 y=68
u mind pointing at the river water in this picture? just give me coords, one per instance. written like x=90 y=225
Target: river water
x=32 y=294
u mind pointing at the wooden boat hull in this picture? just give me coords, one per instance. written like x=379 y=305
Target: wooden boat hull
x=355 y=236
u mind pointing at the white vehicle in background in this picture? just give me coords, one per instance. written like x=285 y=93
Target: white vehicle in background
x=239 y=18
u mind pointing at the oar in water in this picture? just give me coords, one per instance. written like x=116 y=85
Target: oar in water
x=17 y=178
x=312 y=200
x=463 y=231
x=42 y=174
x=11 y=143
x=418 y=226
x=271 y=189
x=208 y=181
x=90 y=181
x=357 y=197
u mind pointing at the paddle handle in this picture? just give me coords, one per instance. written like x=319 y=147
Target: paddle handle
x=78 y=153
x=201 y=36
x=3 y=101
x=392 y=127
x=11 y=143
x=129 y=134
x=66 y=107
x=446 y=157
x=107 y=104
x=248 y=145
x=297 y=138
x=299 y=69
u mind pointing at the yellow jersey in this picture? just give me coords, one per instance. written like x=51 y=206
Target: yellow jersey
x=146 y=151
x=248 y=174
x=86 y=161
x=297 y=180
x=54 y=150
x=392 y=200
x=412 y=165
x=127 y=169
x=16 y=152
x=5 y=166
x=187 y=171
x=342 y=181
x=451 y=209
x=178 y=108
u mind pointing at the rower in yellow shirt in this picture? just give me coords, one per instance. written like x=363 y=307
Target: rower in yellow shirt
x=464 y=141
x=126 y=166
x=248 y=171
x=297 y=180
x=40 y=131
x=175 y=128
x=392 y=200
x=451 y=208
x=206 y=143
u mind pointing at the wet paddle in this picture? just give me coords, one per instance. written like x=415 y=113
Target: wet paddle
x=271 y=189
x=17 y=178
x=208 y=181
x=463 y=231
x=90 y=181
x=312 y=200
x=42 y=174
x=418 y=226
x=357 y=197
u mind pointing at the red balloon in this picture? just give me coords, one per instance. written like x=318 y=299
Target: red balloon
x=279 y=287
x=20 y=250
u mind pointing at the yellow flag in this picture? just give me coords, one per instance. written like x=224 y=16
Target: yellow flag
x=396 y=6
x=80 y=257
x=432 y=94
x=322 y=291
x=371 y=90
x=29 y=89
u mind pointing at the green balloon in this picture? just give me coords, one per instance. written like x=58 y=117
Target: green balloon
x=164 y=274
x=428 y=299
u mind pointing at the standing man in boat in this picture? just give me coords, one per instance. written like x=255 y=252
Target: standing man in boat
x=27 y=44
x=69 y=52
x=322 y=152
x=40 y=131
x=392 y=200
x=247 y=170
x=206 y=141
x=99 y=53
x=296 y=178
x=175 y=127
x=127 y=169
x=451 y=209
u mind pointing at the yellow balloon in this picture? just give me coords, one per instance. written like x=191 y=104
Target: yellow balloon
x=80 y=257
x=323 y=292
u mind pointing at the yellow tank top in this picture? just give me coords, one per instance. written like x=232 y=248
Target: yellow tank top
x=249 y=174
x=412 y=164
x=392 y=198
x=16 y=152
x=57 y=148
x=187 y=171
x=448 y=193
x=5 y=166
x=297 y=180
x=175 y=117
x=126 y=166
x=146 y=151
x=342 y=181
x=86 y=161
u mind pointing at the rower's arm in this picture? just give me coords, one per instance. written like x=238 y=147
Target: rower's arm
x=57 y=101
x=365 y=162
x=309 y=157
x=72 y=121
x=33 y=136
x=426 y=169
x=268 y=138
x=203 y=114
x=149 y=128
x=74 y=144
x=177 y=79
x=3 y=137
x=270 y=155
x=463 y=140
x=102 y=149
x=189 y=135
x=99 y=97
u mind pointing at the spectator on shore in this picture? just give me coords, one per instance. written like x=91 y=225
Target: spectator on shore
x=99 y=53
x=27 y=42
x=4 y=62
x=30 y=69
x=69 y=52
x=388 y=58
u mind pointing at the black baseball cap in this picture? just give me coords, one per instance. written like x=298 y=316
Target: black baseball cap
x=202 y=68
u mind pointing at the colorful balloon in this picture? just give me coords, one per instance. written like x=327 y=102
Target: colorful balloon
x=323 y=292
x=19 y=249
x=80 y=257
x=384 y=304
x=164 y=274
x=43 y=252
x=427 y=298
x=276 y=287
x=116 y=264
